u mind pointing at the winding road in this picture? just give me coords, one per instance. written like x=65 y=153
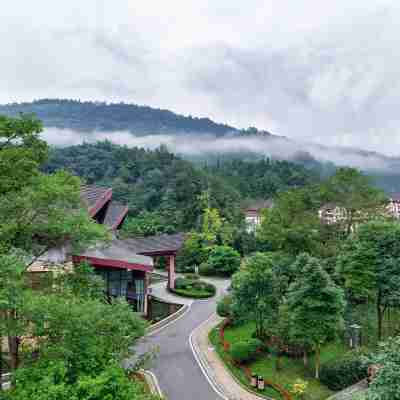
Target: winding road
x=175 y=366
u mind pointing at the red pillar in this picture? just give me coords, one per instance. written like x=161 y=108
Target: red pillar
x=171 y=272
x=146 y=293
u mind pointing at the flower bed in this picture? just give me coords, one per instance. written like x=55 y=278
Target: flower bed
x=247 y=371
x=292 y=368
x=193 y=288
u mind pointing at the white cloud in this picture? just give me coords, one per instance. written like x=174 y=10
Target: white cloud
x=310 y=70
x=194 y=145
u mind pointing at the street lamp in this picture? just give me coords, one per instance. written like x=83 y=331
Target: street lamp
x=355 y=336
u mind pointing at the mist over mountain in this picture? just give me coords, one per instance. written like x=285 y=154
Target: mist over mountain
x=71 y=122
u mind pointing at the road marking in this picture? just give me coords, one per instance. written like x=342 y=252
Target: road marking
x=155 y=383
x=172 y=322
x=200 y=364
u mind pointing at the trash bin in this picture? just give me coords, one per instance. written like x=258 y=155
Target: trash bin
x=260 y=383
x=253 y=380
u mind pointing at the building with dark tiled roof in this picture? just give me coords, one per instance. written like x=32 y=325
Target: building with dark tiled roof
x=102 y=207
x=124 y=265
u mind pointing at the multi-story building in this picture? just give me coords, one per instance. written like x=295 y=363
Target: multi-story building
x=253 y=213
x=330 y=213
x=394 y=205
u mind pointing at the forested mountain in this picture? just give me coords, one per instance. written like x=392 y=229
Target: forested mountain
x=262 y=179
x=161 y=182
x=97 y=116
x=196 y=139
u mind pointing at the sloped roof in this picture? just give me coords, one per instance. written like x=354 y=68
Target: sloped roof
x=328 y=206
x=260 y=205
x=156 y=245
x=395 y=196
x=116 y=254
x=115 y=214
x=95 y=197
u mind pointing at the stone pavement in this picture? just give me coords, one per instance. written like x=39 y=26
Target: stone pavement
x=350 y=392
x=212 y=365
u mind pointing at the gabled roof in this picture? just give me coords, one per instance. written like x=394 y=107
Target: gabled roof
x=115 y=254
x=115 y=214
x=395 y=197
x=260 y=205
x=328 y=207
x=156 y=245
x=95 y=197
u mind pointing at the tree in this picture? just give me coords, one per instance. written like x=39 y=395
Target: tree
x=353 y=191
x=386 y=384
x=255 y=294
x=146 y=224
x=88 y=334
x=213 y=230
x=315 y=306
x=292 y=225
x=223 y=261
x=47 y=212
x=21 y=151
x=12 y=301
x=37 y=211
x=370 y=267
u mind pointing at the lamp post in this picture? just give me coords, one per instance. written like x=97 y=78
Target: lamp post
x=355 y=336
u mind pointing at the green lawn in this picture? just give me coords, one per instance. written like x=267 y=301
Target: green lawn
x=292 y=369
x=214 y=339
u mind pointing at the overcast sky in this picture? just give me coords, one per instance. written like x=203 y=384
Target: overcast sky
x=326 y=71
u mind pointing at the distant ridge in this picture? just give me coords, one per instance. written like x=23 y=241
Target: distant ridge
x=98 y=116
x=202 y=134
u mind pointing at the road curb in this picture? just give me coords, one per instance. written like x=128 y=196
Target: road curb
x=203 y=364
x=208 y=371
x=157 y=327
x=152 y=382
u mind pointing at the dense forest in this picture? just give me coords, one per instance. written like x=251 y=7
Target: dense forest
x=97 y=116
x=163 y=183
x=87 y=117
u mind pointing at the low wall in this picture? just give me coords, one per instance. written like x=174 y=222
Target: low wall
x=167 y=320
x=6 y=381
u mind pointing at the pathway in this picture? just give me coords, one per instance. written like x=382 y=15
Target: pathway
x=179 y=375
x=218 y=374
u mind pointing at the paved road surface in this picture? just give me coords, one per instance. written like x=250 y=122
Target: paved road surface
x=178 y=373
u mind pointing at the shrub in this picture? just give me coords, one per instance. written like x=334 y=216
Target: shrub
x=181 y=283
x=223 y=260
x=192 y=277
x=49 y=381
x=201 y=285
x=340 y=374
x=192 y=293
x=206 y=270
x=246 y=350
x=193 y=253
x=224 y=307
x=193 y=288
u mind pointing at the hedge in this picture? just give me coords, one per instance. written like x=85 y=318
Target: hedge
x=194 y=288
x=224 y=306
x=195 y=294
x=340 y=374
x=245 y=350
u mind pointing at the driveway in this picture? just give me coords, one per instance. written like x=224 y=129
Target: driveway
x=178 y=373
